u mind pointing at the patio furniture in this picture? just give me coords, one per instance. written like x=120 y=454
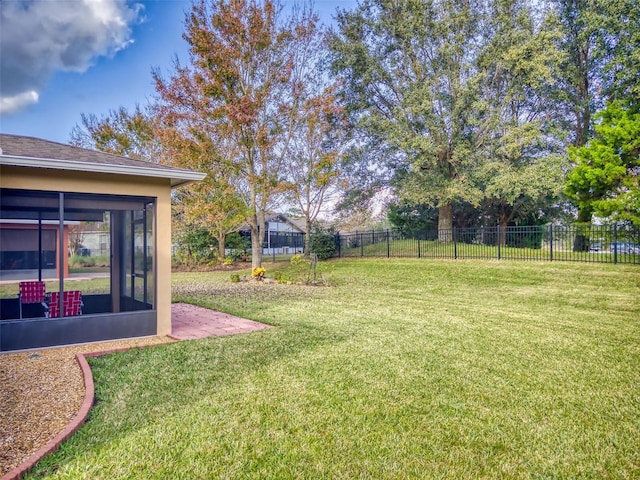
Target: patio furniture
x=32 y=292
x=72 y=301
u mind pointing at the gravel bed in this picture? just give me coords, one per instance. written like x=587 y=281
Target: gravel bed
x=41 y=391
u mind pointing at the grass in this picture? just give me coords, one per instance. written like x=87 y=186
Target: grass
x=400 y=369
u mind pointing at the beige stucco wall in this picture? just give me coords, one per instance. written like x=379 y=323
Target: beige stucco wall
x=87 y=182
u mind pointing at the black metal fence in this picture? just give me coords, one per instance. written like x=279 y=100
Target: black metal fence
x=577 y=243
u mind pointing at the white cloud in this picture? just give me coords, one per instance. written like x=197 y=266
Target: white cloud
x=39 y=37
x=18 y=102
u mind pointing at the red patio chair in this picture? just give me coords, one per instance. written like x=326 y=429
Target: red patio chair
x=72 y=304
x=32 y=292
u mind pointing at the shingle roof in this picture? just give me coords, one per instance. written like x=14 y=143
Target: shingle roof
x=36 y=152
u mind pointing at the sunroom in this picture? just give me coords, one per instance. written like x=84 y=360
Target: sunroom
x=50 y=196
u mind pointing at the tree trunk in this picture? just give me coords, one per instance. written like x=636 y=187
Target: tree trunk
x=221 y=246
x=503 y=233
x=445 y=222
x=307 y=238
x=503 y=221
x=581 y=240
x=257 y=238
x=256 y=249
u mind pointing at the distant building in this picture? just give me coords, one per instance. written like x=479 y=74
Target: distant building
x=284 y=235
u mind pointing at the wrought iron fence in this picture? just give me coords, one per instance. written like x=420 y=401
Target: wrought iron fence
x=579 y=243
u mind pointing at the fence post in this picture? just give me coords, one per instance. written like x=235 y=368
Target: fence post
x=615 y=243
x=388 y=248
x=499 y=242
x=419 y=253
x=361 y=245
x=550 y=242
x=455 y=245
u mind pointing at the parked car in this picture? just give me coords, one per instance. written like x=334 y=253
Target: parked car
x=625 y=247
x=595 y=247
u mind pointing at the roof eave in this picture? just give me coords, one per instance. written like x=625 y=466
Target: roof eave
x=177 y=177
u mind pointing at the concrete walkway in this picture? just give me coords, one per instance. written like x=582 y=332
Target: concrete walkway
x=189 y=322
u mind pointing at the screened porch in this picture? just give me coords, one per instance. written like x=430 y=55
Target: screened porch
x=39 y=230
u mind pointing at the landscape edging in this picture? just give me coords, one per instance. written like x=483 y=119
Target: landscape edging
x=73 y=426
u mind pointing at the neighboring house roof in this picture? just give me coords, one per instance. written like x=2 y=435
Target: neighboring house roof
x=297 y=223
x=16 y=150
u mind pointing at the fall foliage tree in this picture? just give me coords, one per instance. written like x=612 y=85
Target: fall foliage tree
x=234 y=94
x=130 y=134
x=213 y=204
x=312 y=162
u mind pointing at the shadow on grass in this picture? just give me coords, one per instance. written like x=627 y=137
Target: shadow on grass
x=142 y=387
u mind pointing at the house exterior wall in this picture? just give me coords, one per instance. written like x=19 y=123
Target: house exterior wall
x=109 y=184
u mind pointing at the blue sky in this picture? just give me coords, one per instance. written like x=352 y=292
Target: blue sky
x=50 y=51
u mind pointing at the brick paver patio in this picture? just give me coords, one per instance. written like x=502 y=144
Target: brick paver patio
x=189 y=322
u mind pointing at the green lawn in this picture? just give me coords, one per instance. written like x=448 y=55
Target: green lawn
x=400 y=369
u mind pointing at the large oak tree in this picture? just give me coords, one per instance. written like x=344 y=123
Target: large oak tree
x=410 y=80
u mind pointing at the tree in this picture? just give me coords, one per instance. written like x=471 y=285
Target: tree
x=411 y=219
x=460 y=92
x=130 y=134
x=234 y=96
x=621 y=36
x=523 y=168
x=213 y=204
x=77 y=235
x=410 y=81
x=606 y=176
x=581 y=68
x=313 y=152
x=602 y=62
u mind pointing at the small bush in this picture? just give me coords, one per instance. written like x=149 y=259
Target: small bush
x=235 y=278
x=323 y=245
x=300 y=268
x=281 y=277
x=258 y=273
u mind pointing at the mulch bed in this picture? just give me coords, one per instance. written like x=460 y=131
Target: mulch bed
x=42 y=391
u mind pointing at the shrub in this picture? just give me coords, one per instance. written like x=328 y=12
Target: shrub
x=300 y=268
x=197 y=247
x=235 y=278
x=85 y=262
x=323 y=245
x=281 y=277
